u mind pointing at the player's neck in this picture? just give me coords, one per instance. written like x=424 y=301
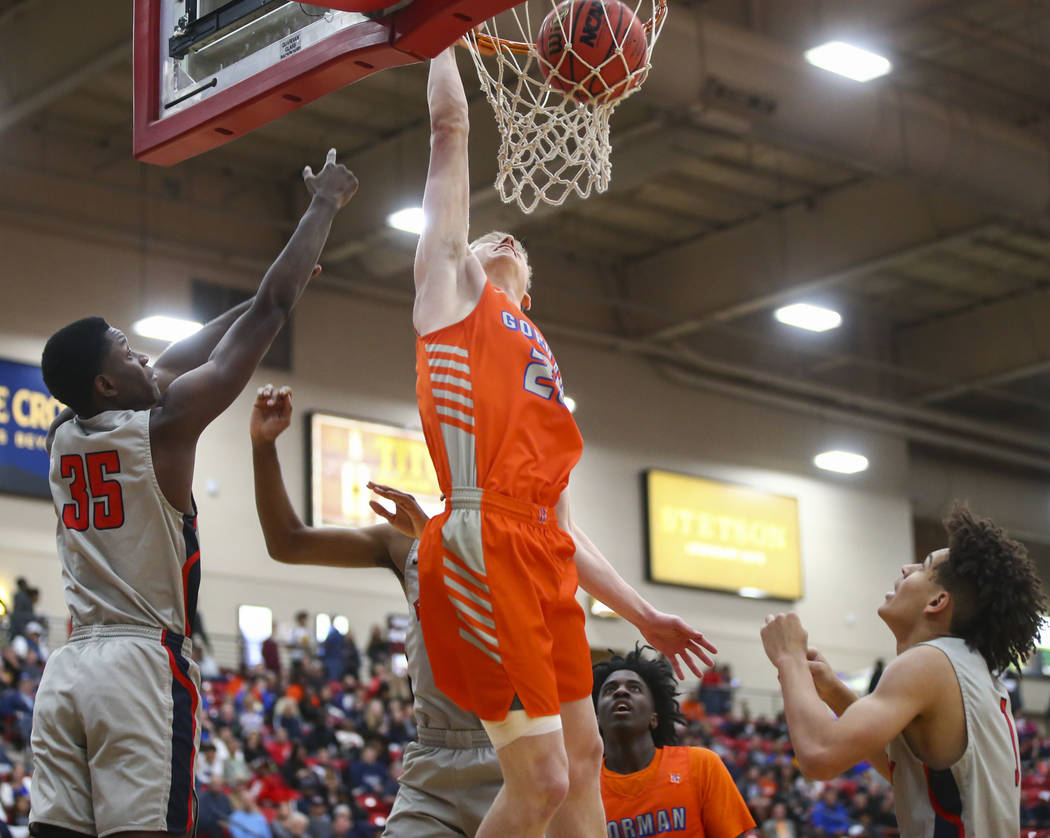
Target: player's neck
x=628 y=752
x=920 y=633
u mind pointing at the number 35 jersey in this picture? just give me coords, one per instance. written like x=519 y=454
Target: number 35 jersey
x=493 y=406
x=128 y=556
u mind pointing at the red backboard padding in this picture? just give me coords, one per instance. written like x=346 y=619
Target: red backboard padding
x=414 y=33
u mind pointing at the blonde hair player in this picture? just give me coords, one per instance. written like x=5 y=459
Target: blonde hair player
x=938 y=725
x=502 y=627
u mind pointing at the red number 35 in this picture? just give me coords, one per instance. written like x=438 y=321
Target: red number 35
x=93 y=492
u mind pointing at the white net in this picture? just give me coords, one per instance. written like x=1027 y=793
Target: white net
x=553 y=102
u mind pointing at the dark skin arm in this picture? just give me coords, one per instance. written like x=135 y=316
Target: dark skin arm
x=190 y=352
x=288 y=539
x=198 y=396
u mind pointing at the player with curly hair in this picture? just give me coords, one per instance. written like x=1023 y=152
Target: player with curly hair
x=939 y=724
x=649 y=784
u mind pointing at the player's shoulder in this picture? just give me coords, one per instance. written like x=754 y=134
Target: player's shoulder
x=921 y=670
x=701 y=758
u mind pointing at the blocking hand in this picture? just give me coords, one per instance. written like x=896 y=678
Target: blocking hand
x=271 y=413
x=408 y=517
x=334 y=181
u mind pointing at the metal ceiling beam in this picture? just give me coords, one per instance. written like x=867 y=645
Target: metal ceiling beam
x=726 y=73
x=794 y=290
x=21 y=109
x=985 y=382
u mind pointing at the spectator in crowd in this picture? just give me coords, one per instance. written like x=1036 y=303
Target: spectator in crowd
x=378 y=647
x=213 y=807
x=31 y=640
x=333 y=654
x=17 y=707
x=209 y=763
x=300 y=642
x=830 y=815
x=319 y=824
x=22 y=607
x=351 y=656
x=271 y=654
x=246 y=821
x=779 y=824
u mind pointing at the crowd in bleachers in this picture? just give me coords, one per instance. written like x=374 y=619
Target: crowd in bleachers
x=308 y=744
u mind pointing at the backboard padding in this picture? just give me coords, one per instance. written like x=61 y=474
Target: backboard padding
x=170 y=126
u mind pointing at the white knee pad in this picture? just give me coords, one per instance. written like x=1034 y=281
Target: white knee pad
x=517 y=724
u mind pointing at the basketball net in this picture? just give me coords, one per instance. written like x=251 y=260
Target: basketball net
x=553 y=142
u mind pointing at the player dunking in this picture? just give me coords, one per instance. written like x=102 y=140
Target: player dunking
x=938 y=724
x=451 y=774
x=115 y=728
x=503 y=630
x=650 y=784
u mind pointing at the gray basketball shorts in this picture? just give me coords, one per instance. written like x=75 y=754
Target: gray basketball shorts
x=444 y=791
x=115 y=733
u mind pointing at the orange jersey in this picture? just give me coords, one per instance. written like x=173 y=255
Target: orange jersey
x=492 y=404
x=684 y=791
x=496 y=576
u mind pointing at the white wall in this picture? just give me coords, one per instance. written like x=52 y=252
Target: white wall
x=356 y=356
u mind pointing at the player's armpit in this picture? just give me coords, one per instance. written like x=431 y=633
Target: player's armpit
x=909 y=687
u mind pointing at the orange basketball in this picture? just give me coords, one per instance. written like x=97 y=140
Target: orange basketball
x=578 y=45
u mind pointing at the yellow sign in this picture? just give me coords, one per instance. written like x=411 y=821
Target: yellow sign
x=707 y=534
x=345 y=454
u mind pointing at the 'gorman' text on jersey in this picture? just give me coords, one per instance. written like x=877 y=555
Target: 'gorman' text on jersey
x=492 y=404
x=649 y=823
x=128 y=556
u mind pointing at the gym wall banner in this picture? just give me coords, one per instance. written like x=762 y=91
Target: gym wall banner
x=26 y=412
x=344 y=454
x=719 y=536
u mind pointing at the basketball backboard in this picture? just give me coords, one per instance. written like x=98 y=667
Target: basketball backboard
x=209 y=71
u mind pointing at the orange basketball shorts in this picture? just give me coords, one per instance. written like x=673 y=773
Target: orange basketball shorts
x=498 y=608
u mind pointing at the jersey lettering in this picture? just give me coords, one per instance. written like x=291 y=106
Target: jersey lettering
x=648 y=824
x=537 y=374
x=105 y=501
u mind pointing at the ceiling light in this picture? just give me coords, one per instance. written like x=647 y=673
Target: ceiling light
x=570 y=403
x=849 y=61
x=166 y=328
x=844 y=462
x=805 y=316
x=753 y=593
x=409 y=219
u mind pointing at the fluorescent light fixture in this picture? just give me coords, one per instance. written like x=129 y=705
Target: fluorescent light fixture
x=570 y=403
x=409 y=219
x=849 y=61
x=752 y=593
x=806 y=316
x=161 y=327
x=844 y=462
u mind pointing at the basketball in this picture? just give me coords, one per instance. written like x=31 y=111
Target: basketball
x=578 y=48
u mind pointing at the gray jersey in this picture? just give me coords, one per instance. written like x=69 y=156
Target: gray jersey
x=980 y=795
x=128 y=556
x=432 y=708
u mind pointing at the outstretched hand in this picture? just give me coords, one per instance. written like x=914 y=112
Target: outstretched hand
x=407 y=517
x=334 y=181
x=271 y=413
x=784 y=637
x=676 y=639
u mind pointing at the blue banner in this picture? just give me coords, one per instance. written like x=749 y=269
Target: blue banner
x=26 y=412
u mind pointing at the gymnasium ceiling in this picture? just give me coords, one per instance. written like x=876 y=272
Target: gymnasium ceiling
x=917 y=205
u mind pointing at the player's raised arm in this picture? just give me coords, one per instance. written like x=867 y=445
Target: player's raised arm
x=288 y=539
x=825 y=746
x=197 y=397
x=673 y=637
x=448 y=278
x=192 y=351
